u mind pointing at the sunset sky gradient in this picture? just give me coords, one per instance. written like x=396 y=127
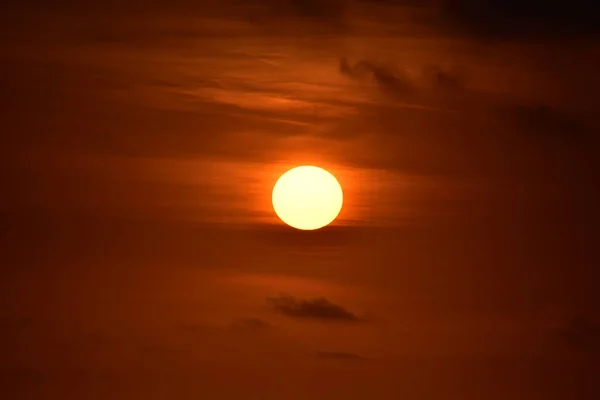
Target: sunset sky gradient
x=142 y=259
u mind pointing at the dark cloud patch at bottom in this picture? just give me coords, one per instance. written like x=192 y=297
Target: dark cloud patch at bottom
x=318 y=309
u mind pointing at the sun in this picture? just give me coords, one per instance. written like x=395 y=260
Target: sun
x=307 y=197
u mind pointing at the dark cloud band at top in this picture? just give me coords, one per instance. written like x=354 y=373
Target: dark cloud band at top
x=517 y=19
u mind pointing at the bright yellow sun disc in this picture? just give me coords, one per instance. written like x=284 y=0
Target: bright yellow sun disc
x=307 y=198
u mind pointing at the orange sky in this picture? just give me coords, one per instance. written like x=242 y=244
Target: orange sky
x=142 y=258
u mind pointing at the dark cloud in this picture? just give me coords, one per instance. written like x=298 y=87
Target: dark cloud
x=423 y=87
x=318 y=8
x=436 y=88
x=318 y=308
x=581 y=333
x=446 y=80
x=517 y=19
x=326 y=15
x=502 y=19
x=334 y=355
x=326 y=9
x=548 y=122
x=388 y=79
